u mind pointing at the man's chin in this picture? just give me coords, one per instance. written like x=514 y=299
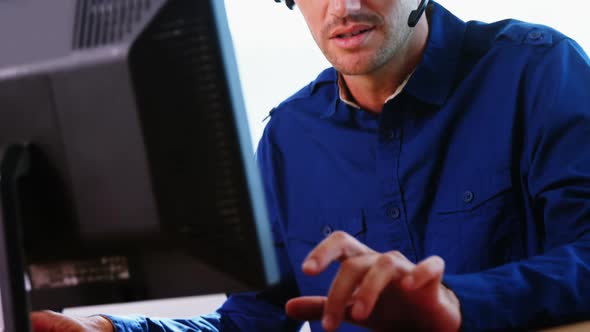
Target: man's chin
x=357 y=64
x=353 y=69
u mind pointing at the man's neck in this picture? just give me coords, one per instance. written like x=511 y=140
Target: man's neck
x=372 y=90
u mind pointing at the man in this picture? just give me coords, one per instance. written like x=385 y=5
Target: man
x=435 y=179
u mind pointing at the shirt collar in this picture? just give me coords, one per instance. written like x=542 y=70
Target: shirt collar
x=434 y=76
x=346 y=97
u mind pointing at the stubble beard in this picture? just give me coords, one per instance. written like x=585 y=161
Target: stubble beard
x=395 y=41
x=364 y=63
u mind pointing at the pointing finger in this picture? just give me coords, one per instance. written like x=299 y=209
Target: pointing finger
x=337 y=247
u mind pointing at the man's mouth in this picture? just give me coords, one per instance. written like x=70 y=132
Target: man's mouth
x=352 y=34
x=352 y=37
x=344 y=33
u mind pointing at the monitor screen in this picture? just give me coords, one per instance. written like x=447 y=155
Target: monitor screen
x=126 y=164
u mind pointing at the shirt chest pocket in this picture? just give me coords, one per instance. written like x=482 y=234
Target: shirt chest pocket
x=476 y=222
x=305 y=233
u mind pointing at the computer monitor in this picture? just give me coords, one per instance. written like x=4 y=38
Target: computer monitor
x=126 y=171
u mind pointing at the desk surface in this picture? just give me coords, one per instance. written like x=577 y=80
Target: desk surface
x=577 y=327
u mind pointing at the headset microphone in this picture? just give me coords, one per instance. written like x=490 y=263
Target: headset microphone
x=289 y=3
x=416 y=14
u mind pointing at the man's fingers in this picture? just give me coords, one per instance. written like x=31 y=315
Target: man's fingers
x=43 y=320
x=337 y=247
x=351 y=273
x=306 y=307
x=311 y=308
x=389 y=267
x=427 y=271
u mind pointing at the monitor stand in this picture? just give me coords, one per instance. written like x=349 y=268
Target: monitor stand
x=14 y=164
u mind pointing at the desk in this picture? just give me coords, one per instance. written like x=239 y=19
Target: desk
x=577 y=327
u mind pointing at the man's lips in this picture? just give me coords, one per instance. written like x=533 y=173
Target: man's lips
x=352 y=38
x=352 y=31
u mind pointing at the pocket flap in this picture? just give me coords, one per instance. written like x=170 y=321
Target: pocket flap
x=471 y=191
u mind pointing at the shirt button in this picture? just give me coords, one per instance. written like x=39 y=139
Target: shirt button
x=327 y=230
x=391 y=134
x=388 y=135
x=393 y=212
x=535 y=34
x=468 y=196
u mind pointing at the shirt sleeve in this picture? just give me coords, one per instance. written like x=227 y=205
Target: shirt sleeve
x=552 y=287
x=255 y=311
x=241 y=312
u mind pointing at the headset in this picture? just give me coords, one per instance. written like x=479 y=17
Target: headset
x=417 y=13
x=412 y=19
x=289 y=3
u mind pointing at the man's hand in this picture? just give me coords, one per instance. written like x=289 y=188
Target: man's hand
x=49 y=321
x=380 y=291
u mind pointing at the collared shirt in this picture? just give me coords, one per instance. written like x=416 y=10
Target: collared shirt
x=481 y=159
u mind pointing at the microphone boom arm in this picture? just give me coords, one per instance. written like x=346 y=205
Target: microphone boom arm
x=416 y=14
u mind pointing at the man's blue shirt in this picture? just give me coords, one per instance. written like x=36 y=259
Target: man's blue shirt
x=482 y=159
